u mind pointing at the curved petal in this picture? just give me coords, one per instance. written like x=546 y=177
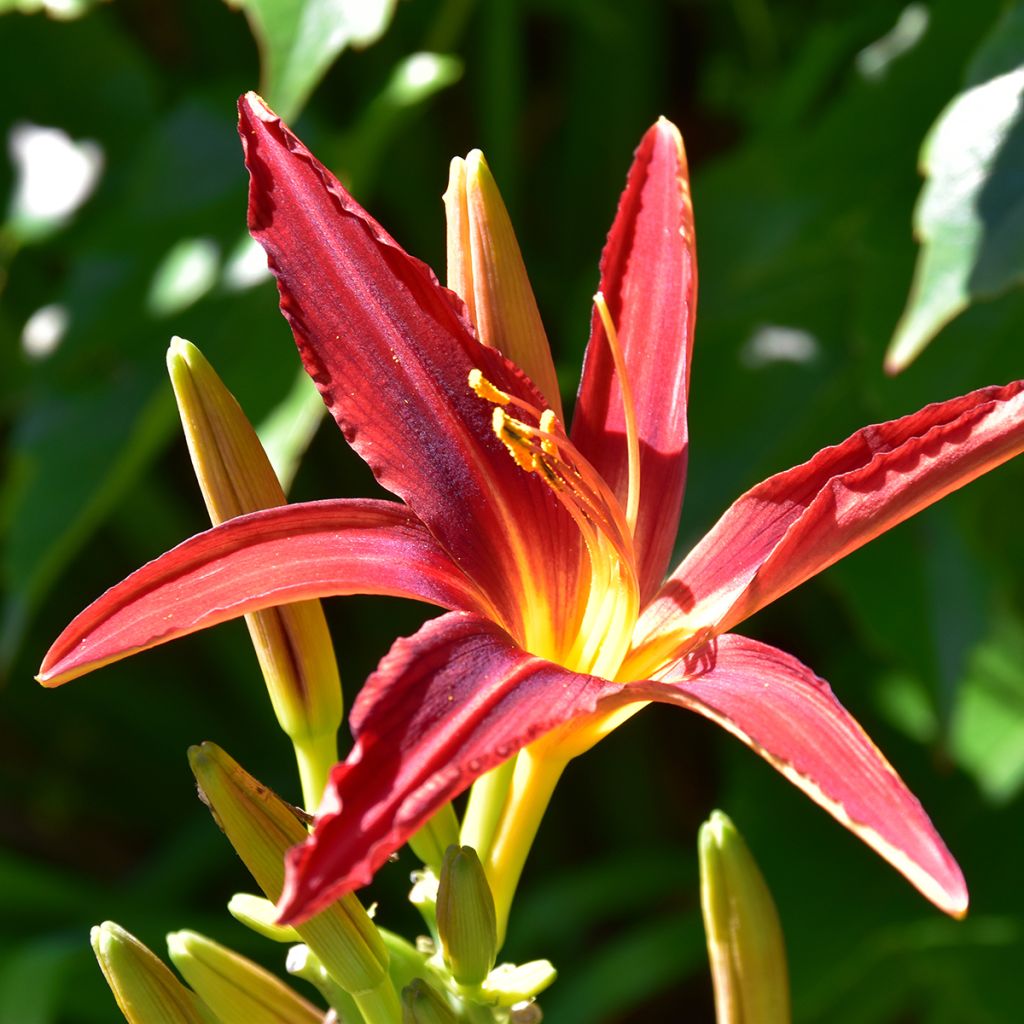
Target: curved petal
x=256 y=561
x=649 y=280
x=391 y=352
x=444 y=706
x=789 y=716
x=797 y=523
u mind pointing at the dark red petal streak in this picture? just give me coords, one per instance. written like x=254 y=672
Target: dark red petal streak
x=797 y=523
x=444 y=706
x=649 y=280
x=789 y=716
x=391 y=353
x=257 y=561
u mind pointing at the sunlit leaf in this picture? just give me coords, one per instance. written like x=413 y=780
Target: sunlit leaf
x=299 y=40
x=988 y=722
x=970 y=214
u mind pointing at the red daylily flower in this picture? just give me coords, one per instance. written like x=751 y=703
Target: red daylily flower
x=549 y=549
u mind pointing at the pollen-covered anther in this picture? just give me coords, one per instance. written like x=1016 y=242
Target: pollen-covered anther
x=514 y=434
x=483 y=388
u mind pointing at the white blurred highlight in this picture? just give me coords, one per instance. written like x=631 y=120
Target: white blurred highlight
x=776 y=344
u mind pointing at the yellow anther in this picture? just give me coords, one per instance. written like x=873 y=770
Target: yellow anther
x=509 y=433
x=549 y=425
x=484 y=389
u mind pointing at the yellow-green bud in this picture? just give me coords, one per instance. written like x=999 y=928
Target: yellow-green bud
x=422 y=1004
x=485 y=268
x=237 y=990
x=262 y=828
x=466 y=922
x=509 y=984
x=440 y=832
x=260 y=915
x=144 y=987
x=745 y=944
x=292 y=642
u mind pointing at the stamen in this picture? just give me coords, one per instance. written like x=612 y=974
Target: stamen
x=628 y=411
x=600 y=638
x=484 y=389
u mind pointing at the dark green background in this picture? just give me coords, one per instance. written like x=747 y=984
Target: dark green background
x=804 y=182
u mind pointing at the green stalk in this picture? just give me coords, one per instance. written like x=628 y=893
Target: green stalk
x=533 y=783
x=485 y=808
x=379 y=1005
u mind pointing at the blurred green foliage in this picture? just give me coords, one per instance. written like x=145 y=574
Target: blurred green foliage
x=804 y=124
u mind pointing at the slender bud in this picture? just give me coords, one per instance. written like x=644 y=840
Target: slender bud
x=144 y=987
x=236 y=989
x=422 y=1004
x=466 y=922
x=440 y=832
x=745 y=944
x=262 y=828
x=509 y=984
x=260 y=915
x=292 y=642
x=485 y=268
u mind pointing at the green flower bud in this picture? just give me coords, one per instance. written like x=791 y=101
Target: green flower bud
x=422 y=1004
x=144 y=987
x=466 y=921
x=292 y=642
x=509 y=984
x=237 y=990
x=745 y=944
x=262 y=828
x=260 y=915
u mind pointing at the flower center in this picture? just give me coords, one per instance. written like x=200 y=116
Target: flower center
x=602 y=637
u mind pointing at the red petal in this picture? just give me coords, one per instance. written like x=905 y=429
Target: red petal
x=257 y=561
x=443 y=707
x=789 y=716
x=797 y=523
x=391 y=353
x=649 y=280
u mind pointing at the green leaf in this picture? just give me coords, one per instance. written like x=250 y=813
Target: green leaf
x=970 y=213
x=299 y=40
x=988 y=722
x=32 y=978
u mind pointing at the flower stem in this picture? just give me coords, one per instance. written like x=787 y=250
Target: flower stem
x=379 y=1005
x=487 y=800
x=315 y=756
x=533 y=782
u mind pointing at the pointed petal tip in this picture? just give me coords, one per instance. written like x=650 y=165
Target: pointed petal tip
x=253 y=102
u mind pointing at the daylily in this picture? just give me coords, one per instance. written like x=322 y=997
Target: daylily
x=548 y=547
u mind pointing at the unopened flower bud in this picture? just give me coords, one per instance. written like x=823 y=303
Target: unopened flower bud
x=422 y=1004
x=745 y=944
x=262 y=828
x=144 y=987
x=510 y=984
x=466 y=920
x=292 y=642
x=485 y=268
x=260 y=915
x=235 y=988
